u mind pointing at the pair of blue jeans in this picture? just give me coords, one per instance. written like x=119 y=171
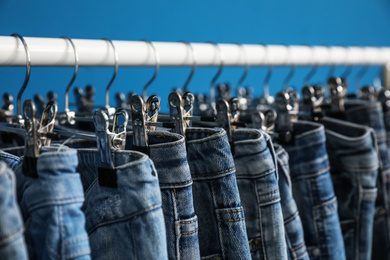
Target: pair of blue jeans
x=257 y=181
x=168 y=153
x=124 y=217
x=295 y=240
x=354 y=168
x=313 y=191
x=371 y=114
x=51 y=205
x=12 y=243
x=222 y=230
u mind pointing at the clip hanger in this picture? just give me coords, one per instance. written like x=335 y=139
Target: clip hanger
x=140 y=137
x=283 y=126
x=338 y=93
x=106 y=141
x=176 y=112
x=36 y=134
x=368 y=93
x=227 y=117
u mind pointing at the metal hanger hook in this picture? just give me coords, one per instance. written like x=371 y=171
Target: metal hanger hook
x=313 y=70
x=332 y=68
x=157 y=59
x=349 y=68
x=268 y=76
x=193 y=54
x=245 y=73
x=107 y=96
x=26 y=79
x=360 y=75
x=76 y=68
x=216 y=76
x=292 y=70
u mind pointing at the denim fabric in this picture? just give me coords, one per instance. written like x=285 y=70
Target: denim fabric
x=295 y=240
x=354 y=168
x=12 y=243
x=313 y=192
x=370 y=114
x=50 y=205
x=257 y=182
x=222 y=231
x=123 y=222
x=168 y=153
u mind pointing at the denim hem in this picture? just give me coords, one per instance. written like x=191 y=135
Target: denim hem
x=175 y=185
x=140 y=158
x=125 y=218
x=214 y=175
x=215 y=133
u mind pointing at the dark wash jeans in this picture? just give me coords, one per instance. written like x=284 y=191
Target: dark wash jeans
x=51 y=205
x=123 y=222
x=257 y=181
x=354 y=168
x=12 y=243
x=313 y=192
x=168 y=153
x=371 y=114
x=295 y=241
x=222 y=231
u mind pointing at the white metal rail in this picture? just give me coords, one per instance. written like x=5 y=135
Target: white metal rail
x=58 y=52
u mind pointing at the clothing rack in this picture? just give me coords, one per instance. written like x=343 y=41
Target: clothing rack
x=58 y=52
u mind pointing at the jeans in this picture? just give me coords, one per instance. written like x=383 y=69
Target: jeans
x=313 y=192
x=50 y=205
x=12 y=243
x=168 y=153
x=354 y=168
x=222 y=231
x=370 y=114
x=295 y=240
x=257 y=182
x=124 y=218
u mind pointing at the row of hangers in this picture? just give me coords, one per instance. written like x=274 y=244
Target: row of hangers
x=273 y=115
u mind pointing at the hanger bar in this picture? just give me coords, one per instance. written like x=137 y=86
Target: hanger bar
x=55 y=52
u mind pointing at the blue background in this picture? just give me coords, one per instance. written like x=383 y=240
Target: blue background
x=346 y=23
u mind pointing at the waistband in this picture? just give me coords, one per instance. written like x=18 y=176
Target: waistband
x=253 y=153
x=349 y=138
x=136 y=193
x=169 y=155
x=367 y=113
x=306 y=134
x=209 y=154
x=10 y=159
x=308 y=155
x=58 y=183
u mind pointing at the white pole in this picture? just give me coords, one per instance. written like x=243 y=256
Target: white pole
x=57 y=52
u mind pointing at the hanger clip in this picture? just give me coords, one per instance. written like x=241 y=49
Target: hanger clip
x=227 y=117
x=338 y=92
x=283 y=126
x=177 y=112
x=106 y=141
x=152 y=109
x=140 y=137
x=37 y=134
x=368 y=93
x=311 y=104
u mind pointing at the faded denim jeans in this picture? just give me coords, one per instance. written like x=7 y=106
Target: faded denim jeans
x=257 y=180
x=354 y=168
x=313 y=192
x=222 y=230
